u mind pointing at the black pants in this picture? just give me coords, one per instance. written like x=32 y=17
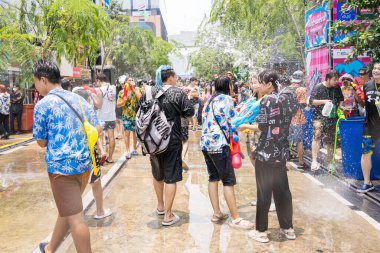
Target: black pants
x=4 y=124
x=16 y=114
x=273 y=178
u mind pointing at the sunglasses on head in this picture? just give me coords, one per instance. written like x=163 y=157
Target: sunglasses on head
x=363 y=73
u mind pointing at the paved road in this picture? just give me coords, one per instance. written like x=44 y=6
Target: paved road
x=324 y=221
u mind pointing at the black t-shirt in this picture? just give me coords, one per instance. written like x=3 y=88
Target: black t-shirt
x=276 y=112
x=372 y=123
x=175 y=105
x=321 y=92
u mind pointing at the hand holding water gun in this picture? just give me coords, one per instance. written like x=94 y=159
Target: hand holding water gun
x=236 y=155
x=247 y=113
x=358 y=90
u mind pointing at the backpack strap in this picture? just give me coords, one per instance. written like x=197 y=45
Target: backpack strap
x=148 y=93
x=70 y=106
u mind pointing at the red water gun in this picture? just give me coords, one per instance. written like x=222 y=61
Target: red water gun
x=236 y=155
x=358 y=90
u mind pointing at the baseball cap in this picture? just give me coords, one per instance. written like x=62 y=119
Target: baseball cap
x=297 y=77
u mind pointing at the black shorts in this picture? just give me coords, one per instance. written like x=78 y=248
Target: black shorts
x=219 y=166
x=167 y=166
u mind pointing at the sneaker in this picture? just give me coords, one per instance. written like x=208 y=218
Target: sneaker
x=258 y=236
x=315 y=166
x=290 y=234
x=272 y=207
x=366 y=188
x=134 y=153
x=128 y=156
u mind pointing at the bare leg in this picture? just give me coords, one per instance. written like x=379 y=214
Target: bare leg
x=80 y=233
x=185 y=148
x=111 y=139
x=100 y=143
x=366 y=167
x=170 y=191
x=300 y=152
x=97 y=191
x=119 y=129
x=61 y=228
x=126 y=141
x=330 y=153
x=316 y=145
x=134 y=139
x=214 y=196
x=229 y=195
x=159 y=189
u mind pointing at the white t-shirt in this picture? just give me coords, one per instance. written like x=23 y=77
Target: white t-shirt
x=107 y=112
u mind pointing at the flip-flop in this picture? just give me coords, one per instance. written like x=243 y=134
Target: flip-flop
x=107 y=213
x=175 y=220
x=221 y=217
x=42 y=246
x=110 y=161
x=160 y=212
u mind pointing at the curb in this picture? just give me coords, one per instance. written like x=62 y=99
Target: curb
x=88 y=200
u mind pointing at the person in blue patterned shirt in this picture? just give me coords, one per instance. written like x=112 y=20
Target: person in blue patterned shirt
x=58 y=128
x=217 y=115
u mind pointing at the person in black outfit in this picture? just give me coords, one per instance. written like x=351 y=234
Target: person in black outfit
x=371 y=132
x=167 y=166
x=17 y=99
x=276 y=111
x=324 y=126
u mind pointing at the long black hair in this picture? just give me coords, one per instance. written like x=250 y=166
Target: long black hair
x=266 y=77
x=222 y=85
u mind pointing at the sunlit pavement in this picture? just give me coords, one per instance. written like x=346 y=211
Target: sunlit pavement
x=27 y=208
x=323 y=221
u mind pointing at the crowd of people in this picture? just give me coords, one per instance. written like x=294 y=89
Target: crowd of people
x=212 y=107
x=11 y=107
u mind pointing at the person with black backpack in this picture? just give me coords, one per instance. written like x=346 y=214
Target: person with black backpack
x=158 y=129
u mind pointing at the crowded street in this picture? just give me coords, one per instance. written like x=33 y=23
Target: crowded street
x=189 y=126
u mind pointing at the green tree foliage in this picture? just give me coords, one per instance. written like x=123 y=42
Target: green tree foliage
x=52 y=29
x=278 y=24
x=210 y=61
x=365 y=33
x=139 y=53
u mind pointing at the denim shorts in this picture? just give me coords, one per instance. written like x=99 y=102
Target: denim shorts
x=296 y=133
x=109 y=125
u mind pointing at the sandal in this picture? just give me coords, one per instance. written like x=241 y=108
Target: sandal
x=259 y=236
x=160 y=212
x=241 y=223
x=290 y=234
x=175 y=220
x=109 y=161
x=219 y=217
x=107 y=213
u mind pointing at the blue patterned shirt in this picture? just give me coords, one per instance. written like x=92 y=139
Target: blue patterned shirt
x=67 y=152
x=212 y=136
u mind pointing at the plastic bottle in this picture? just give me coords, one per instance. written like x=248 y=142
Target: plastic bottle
x=327 y=109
